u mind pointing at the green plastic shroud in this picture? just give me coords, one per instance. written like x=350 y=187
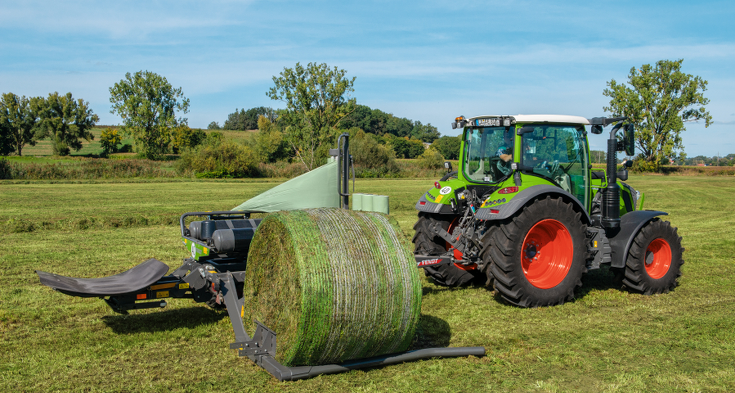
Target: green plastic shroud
x=333 y=284
x=316 y=188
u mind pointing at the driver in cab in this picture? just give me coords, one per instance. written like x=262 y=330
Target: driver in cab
x=505 y=153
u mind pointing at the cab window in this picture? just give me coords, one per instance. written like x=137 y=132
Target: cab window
x=558 y=153
x=488 y=153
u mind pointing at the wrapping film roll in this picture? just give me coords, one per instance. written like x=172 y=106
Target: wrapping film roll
x=371 y=203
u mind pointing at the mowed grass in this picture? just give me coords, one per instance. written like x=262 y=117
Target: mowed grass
x=607 y=340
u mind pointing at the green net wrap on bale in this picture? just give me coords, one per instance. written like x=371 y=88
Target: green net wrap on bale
x=333 y=284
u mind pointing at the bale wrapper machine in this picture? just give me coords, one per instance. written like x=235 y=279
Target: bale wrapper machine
x=215 y=273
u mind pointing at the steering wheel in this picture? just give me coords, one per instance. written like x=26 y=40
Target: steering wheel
x=554 y=167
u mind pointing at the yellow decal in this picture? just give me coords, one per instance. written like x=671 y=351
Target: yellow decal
x=439 y=198
x=595 y=244
x=205 y=251
x=162 y=294
x=242 y=311
x=184 y=285
x=162 y=286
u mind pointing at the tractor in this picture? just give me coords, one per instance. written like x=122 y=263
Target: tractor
x=526 y=215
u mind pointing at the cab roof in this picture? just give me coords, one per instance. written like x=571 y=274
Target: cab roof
x=567 y=119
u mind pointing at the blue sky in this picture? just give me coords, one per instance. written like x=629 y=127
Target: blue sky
x=429 y=61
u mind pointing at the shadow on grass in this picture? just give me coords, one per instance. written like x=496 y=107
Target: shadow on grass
x=189 y=318
x=600 y=279
x=431 y=332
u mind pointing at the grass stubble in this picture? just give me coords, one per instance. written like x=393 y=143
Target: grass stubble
x=607 y=340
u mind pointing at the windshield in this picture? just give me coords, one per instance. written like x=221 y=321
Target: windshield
x=488 y=153
x=557 y=152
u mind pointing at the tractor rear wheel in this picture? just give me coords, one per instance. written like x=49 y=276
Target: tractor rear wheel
x=427 y=243
x=654 y=259
x=539 y=255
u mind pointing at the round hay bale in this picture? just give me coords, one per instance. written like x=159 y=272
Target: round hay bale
x=333 y=284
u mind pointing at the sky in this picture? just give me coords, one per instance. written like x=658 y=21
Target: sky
x=429 y=61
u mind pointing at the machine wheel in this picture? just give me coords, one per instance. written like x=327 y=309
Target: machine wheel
x=487 y=258
x=654 y=259
x=425 y=243
x=539 y=255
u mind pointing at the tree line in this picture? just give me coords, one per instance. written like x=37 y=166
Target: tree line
x=24 y=121
x=659 y=99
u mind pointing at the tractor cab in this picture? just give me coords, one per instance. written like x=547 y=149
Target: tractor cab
x=551 y=147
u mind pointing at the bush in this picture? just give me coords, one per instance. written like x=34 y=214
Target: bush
x=269 y=144
x=183 y=137
x=87 y=169
x=281 y=169
x=219 y=159
x=640 y=165
x=109 y=139
x=431 y=159
x=371 y=159
x=6 y=170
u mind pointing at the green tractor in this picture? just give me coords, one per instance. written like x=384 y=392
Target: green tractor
x=526 y=215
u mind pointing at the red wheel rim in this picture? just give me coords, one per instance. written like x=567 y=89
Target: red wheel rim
x=658 y=258
x=547 y=253
x=457 y=254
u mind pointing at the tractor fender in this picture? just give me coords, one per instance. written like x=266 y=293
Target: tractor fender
x=630 y=224
x=508 y=209
x=425 y=205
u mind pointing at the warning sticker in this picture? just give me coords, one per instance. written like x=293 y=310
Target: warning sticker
x=446 y=190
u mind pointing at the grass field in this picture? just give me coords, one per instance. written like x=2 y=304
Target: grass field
x=606 y=340
x=93 y=147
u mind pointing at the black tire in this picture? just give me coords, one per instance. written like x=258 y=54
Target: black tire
x=425 y=243
x=550 y=287
x=645 y=267
x=486 y=256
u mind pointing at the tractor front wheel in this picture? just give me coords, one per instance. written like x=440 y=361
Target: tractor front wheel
x=539 y=255
x=427 y=243
x=654 y=259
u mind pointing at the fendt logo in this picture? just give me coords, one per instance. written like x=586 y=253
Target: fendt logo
x=429 y=262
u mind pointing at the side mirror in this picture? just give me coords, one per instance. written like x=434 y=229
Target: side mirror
x=596 y=129
x=525 y=130
x=629 y=140
x=448 y=166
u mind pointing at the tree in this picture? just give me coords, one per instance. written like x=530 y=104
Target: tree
x=214 y=126
x=448 y=146
x=660 y=100
x=598 y=156
x=426 y=133
x=407 y=148
x=67 y=121
x=316 y=99
x=6 y=144
x=109 y=139
x=183 y=137
x=268 y=144
x=19 y=119
x=248 y=120
x=147 y=104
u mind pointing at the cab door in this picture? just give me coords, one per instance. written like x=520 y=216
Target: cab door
x=558 y=153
